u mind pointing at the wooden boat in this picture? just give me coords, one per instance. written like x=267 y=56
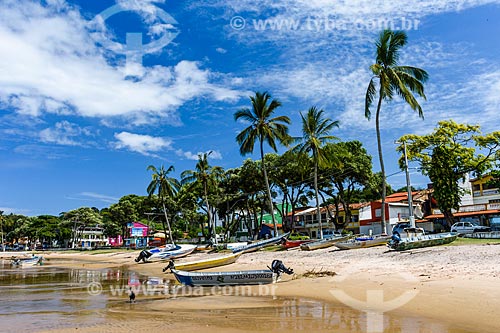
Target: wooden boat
x=290 y=244
x=205 y=263
x=323 y=243
x=484 y=235
x=27 y=262
x=418 y=241
x=167 y=252
x=363 y=241
x=263 y=276
x=260 y=244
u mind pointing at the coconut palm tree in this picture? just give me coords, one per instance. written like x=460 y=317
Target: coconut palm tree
x=206 y=176
x=315 y=134
x=166 y=187
x=392 y=79
x=263 y=128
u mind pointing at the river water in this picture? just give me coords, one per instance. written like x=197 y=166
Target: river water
x=46 y=298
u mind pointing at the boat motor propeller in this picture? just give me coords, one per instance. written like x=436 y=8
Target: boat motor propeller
x=169 y=266
x=143 y=256
x=278 y=267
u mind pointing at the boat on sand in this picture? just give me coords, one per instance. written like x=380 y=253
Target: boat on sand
x=323 y=243
x=27 y=262
x=167 y=252
x=205 y=263
x=263 y=276
x=362 y=242
x=260 y=244
x=415 y=241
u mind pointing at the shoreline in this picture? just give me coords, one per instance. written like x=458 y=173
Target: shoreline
x=456 y=285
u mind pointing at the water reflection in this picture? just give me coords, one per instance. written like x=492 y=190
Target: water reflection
x=44 y=298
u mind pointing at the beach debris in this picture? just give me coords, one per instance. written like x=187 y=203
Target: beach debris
x=321 y=273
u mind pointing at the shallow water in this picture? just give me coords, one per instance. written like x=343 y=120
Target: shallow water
x=47 y=298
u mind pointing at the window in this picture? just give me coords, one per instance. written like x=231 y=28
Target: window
x=476 y=187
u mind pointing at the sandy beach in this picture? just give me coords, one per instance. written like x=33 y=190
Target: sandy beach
x=455 y=286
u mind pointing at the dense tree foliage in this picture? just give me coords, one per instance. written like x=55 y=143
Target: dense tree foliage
x=447 y=155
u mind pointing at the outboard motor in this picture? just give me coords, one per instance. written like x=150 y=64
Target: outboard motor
x=395 y=239
x=143 y=256
x=169 y=266
x=278 y=267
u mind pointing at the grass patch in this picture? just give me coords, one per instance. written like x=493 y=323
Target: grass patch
x=474 y=241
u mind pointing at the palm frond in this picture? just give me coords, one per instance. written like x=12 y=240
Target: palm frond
x=244 y=114
x=370 y=95
x=418 y=73
x=397 y=41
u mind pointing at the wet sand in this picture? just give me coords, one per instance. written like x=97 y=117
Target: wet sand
x=449 y=288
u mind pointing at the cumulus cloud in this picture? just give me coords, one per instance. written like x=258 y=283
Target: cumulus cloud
x=142 y=144
x=50 y=64
x=64 y=133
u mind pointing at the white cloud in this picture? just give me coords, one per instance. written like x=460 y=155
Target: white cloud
x=64 y=133
x=143 y=144
x=221 y=50
x=214 y=154
x=50 y=63
x=100 y=197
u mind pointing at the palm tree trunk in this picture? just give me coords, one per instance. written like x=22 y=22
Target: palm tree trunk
x=168 y=224
x=318 y=210
x=382 y=168
x=209 y=214
x=271 y=209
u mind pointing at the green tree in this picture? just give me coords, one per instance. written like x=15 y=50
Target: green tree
x=263 y=128
x=291 y=173
x=352 y=172
x=166 y=186
x=207 y=177
x=80 y=218
x=393 y=79
x=315 y=134
x=447 y=155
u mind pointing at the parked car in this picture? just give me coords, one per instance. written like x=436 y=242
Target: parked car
x=298 y=236
x=469 y=227
x=328 y=233
x=399 y=228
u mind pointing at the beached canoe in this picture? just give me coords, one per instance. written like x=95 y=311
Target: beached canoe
x=263 y=276
x=323 y=243
x=205 y=263
x=260 y=244
x=27 y=262
x=362 y=242
x=167 y=252
x=418 y=241
x=290 y=244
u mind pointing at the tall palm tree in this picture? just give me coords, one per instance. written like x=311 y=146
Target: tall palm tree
x=263 y=128
x=316 y=133
x=206 y=176
x=166 y=187
x=393 y=79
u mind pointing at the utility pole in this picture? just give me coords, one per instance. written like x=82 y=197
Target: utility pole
x=1 y=225
x=408 y=187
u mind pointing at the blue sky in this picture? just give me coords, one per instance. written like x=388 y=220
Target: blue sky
x=81 y=116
